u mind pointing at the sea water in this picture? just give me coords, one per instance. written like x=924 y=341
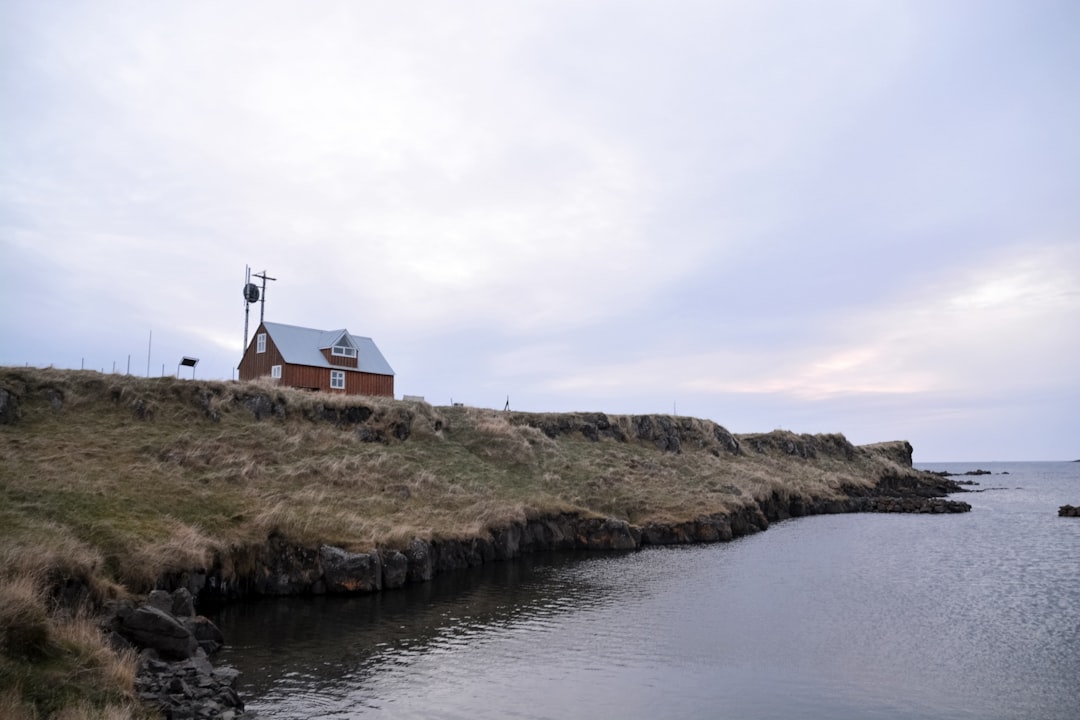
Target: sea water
x=840 y=616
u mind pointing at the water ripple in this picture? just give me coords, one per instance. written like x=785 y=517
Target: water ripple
x=867 y=616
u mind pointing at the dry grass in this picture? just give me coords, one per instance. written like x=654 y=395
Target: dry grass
x=220 y=464
x=110 y=482
x=12 y=706
x=86 y=711
x=58 y=664
x=80 y=636
x=51 y=555
x=182 y=548
x=24 y=622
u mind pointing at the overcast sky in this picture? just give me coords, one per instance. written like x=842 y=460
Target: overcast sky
x=858 y=217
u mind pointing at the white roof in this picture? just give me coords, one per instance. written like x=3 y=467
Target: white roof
x=302 y=346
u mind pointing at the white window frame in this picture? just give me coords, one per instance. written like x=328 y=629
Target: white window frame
x=275 y=371
x=337 y=379
x=260 y=343
x=343 y=351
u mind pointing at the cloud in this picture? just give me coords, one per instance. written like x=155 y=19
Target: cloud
x=846 y=213
x=1001 y=320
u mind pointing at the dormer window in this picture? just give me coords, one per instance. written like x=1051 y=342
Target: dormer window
x=344 y=347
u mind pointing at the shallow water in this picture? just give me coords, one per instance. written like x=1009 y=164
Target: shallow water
x=842 y=616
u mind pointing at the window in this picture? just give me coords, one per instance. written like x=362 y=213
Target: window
x=337 y=379
x=343 y=346
x=260 y=343
x=275 y=371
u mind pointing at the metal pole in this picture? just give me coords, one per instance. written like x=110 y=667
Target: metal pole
x=247 y=306
x=262 y=300
x=149 y=344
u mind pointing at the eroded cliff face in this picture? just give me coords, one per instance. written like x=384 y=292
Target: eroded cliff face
x=281 y=567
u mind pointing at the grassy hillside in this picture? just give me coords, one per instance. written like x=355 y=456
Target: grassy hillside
x=149 y=475
x=107 y=482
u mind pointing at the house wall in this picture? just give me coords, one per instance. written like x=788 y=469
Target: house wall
x=356 y=383
x=362 y=383
x=306 y=377
x=256 y=365
x=314 y=378
x=339 y=360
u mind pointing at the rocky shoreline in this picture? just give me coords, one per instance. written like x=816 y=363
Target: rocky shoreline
x=282 y=567
x=176 y=676
x=174 y=673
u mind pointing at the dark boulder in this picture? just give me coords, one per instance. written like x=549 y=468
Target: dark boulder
x=183 y=603
x=419 y=556
x=161 y=599
x=285 y=568
x=149 y=627
x=350 y=572
x=395 y=569
x=607 y=534
x=205 y=633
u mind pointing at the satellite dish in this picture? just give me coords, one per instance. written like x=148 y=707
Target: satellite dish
x=251 y=292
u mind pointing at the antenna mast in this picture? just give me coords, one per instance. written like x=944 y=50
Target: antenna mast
x=251 y=295
x=262 y=303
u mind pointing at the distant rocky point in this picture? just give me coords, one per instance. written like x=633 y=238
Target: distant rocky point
x=946 y=473
x=1068 y=511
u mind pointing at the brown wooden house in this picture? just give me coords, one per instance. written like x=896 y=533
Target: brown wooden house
x=328 y=360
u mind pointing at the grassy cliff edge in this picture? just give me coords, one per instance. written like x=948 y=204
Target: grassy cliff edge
x=109 y=483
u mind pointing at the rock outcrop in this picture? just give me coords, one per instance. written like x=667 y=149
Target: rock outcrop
x=666 y=433
x=175 y=674
x=1068 y=511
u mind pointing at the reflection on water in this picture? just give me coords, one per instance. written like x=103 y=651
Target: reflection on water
x=341 y=636
x=856 y=616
